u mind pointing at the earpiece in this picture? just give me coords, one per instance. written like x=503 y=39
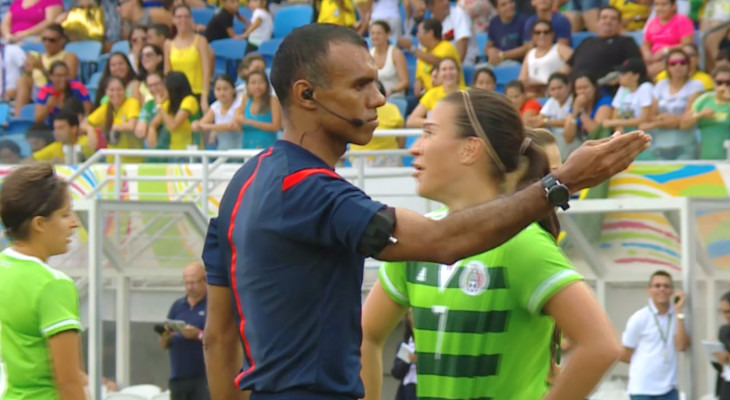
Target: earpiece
x=307 y=94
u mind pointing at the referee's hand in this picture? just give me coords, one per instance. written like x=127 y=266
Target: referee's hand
x=598 y=160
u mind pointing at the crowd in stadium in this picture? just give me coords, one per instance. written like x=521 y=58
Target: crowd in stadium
x=139 y=74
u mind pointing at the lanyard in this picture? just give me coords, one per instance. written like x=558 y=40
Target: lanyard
x=663 y=335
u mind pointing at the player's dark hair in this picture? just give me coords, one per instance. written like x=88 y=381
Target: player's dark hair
x=29 y=192
x=304 y=55
x=663 y=273
x=433 y=25
x=502 y=125
x=484 y=70
x=540 y=136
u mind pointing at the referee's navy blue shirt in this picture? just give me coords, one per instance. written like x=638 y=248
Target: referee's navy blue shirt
x=285 y=241
x=186 y=355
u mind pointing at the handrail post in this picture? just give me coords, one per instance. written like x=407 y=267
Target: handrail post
x=204 y=190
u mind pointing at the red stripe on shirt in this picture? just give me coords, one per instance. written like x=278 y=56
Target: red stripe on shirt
x=234 y=254
x=293 y=179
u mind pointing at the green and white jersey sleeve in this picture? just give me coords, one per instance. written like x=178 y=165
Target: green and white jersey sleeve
x=58 y=307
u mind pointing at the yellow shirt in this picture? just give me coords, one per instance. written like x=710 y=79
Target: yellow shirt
x=39 y=78
x=331 y=13
x=442 y=50
x=181 y=137
x=629 y=10
x=54 y=151
x=433 y=96
x=127 y=140
x=701 y=76
x=187 y=61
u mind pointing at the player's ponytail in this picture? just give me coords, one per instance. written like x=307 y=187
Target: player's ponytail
x=536 y=167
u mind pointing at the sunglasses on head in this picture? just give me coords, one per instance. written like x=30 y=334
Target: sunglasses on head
x=682 y=61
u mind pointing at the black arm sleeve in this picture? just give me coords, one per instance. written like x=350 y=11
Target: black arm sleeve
x=378 y=233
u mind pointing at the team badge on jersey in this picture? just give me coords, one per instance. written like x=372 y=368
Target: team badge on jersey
x=474 y=279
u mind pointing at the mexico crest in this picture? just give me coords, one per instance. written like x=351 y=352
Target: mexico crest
x=474 y=279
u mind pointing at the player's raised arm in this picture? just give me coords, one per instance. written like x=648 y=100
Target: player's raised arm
x=480 y=228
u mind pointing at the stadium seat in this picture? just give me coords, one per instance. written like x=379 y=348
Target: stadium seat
x=411 y=77
x=93 y=84
x=481 y=45
x=507 y=73
x=246 y=12
x=469 y=74
x=291 y=17
x=4 y=113
x=542 y=100
x=146 y=391
x=578 y=37
x=408 y=160
x=268 y=48
x=88 y=52
x=19 y=139
x=229 y=51
x=121 y=46
x=411 y=60
x=401 y=103
x=638 y=36
x=201 y=16
x=33 y=46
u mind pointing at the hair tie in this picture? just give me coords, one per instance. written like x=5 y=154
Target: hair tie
x=525 y=145
x=474 y=121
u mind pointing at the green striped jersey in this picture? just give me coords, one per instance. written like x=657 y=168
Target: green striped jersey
x=478 y=324
x=36 y=302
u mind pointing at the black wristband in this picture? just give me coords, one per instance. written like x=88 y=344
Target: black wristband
x=378 y=233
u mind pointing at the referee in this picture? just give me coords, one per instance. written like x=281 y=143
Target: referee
x=285 y=255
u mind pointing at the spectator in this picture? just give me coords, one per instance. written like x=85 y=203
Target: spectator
x=52 y=97
x=12 y=63
x=219 y=120
x=589 y=109
x=601 y=55
x=9 y=152
x=405 y=370
x=261 y=27
x=176 y=113
x=435 y=48
x=448 y=71
x=160 y=138
x=695 y=74
x=666 y=31
x=506 y=44
x=112 y=23
x=711 y=113
x=62 y=150
x=528 y=107
x=484 y=79
x=583 y=13
x=723 y=358
x=415 y=14
x=116 y=119
x=632 y=103
x=251 y=62
x=672 y=98
x=38 y=136
x=157 y=34
x=187 y=376
x=456 y=28
x=391 y=63
x=544 y=12
x=37 y=65
x=389 y=12
x=133 y=13
x=26 y=19
x=187 y=52
x=723 y=58
x=556 y=110
x=138 y=40
x=151 y=60
x=118 y=66
x=83 y=22
x=543 y=60
x=389 y=117
x=480 y=12
x=338 y=12
x=259 y=113
x=653 y=337
x=634 y=13
x=221 y=25
x=716 y=12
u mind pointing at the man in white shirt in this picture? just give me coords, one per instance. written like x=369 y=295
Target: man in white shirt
x=652 y=338
x=12 y=62
x=456 y=25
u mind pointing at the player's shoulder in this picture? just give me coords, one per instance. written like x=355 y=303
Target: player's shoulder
x=33 y=268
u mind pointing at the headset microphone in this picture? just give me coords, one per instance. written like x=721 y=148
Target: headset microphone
x=357 y=122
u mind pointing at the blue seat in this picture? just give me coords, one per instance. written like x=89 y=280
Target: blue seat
x=469 y=71
x=578 y=37
x=229 y=52
x=411 y=60
x=19 y=139
x=4 y=113
x=542 y=100
x=88 y=52
x=638 y=36
x=268 y=48
x=482 y=44
x=411 y=77
x=401 y=103
x=201 y=16
x=121 y=46
x=33 y=46
x=245 y=12
x=507 y=73
x=291 y=17
x=239 y=26
x=408 y=160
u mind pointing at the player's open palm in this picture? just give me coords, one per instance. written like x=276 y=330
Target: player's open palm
x=597 y=160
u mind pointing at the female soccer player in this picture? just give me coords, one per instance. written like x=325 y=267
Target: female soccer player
x=483 y=326
x=39 y=322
